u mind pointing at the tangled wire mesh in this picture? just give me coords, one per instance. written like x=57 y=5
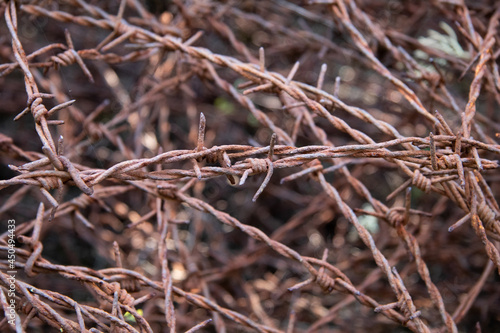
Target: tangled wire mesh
x=270 y=166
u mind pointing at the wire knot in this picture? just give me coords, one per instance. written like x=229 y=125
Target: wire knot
x=70 y=57
x=394 y=217
x=421 y=181
x=131 y=285
x=124 y=297
x=66 y=58
x=257 y=165
x=114 y=288
x=447 y=162
x=212 y=157
x=124 y=29
x=223 y=159
x=38 y=109
x=325 y=281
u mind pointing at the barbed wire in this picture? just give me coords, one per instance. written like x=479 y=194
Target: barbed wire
x=313 y=136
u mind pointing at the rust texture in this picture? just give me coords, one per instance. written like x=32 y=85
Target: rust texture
x=269 y=166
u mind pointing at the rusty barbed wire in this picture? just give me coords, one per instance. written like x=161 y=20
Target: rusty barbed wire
x=304 y=157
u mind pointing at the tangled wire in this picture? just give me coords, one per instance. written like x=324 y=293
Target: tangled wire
x=280 y=166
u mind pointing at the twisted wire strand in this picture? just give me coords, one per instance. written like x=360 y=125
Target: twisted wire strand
x=413 y=161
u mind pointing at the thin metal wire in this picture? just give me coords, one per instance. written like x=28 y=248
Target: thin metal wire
x=140 y=156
